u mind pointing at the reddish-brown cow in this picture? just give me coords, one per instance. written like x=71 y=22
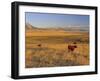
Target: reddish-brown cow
x=71 y=48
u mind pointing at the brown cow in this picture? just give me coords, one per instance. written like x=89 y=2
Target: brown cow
x=71 y=48
x=39 y=45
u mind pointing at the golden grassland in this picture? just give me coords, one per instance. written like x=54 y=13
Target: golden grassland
x=54 y=48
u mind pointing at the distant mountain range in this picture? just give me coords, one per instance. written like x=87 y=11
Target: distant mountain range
x=30 y=27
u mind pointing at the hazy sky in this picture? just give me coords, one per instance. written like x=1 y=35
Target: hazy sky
x=56 y=20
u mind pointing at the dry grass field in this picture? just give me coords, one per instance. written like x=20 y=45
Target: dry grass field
x=49 y=48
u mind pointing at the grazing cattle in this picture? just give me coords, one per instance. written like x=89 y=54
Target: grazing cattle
x=39 y=45
x=71 y=48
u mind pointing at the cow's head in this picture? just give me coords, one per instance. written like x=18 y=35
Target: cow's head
x=75 y=46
